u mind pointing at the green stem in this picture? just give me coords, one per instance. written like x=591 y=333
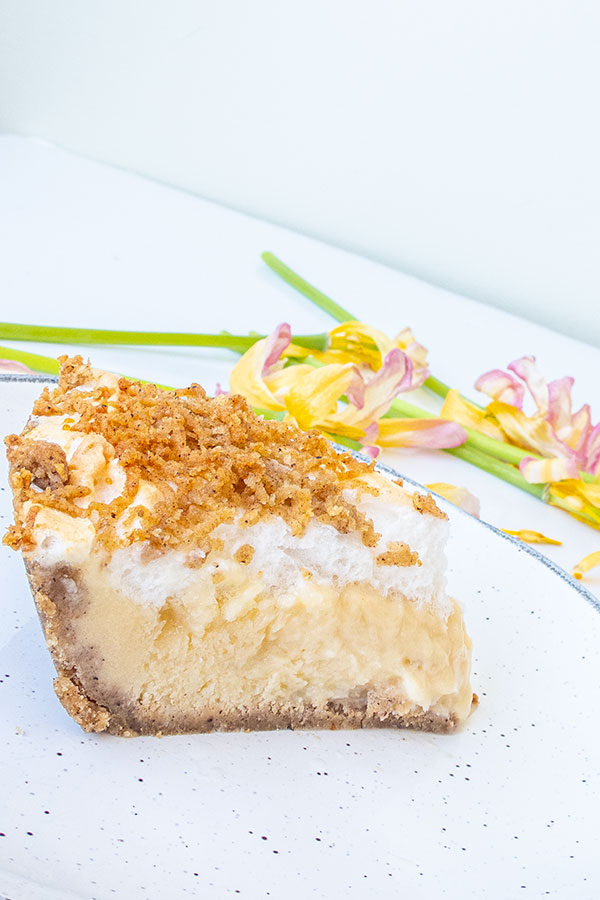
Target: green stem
x=325 y=303
x=35 y=361
x=58 y=335
x=496 y=467
x=437 y=387
x=320 y=299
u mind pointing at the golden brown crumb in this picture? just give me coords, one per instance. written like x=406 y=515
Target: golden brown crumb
x=398 y=554
x=44 y=461
x=211 y=461
x=424 y=503
x=13 y=537
x=244 y=554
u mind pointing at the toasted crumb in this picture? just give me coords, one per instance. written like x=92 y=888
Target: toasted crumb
x=244 y=554
x=398 y=554
x=44 y=461
x=424 y=503
x=211 y=461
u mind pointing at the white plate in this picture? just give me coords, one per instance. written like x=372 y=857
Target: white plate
x=509 y=807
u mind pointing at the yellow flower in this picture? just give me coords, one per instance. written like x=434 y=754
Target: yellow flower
x=341 y=398
x=465 y=413
x=358 y=343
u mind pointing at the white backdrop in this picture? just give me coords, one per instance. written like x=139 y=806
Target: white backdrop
x=457 y=140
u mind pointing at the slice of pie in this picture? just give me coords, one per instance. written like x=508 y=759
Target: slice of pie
x=197 y=568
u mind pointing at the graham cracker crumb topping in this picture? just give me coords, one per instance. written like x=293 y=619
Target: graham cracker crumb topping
x=244 y=554
x=398 y=554
x=424 y=503
x=211 y=461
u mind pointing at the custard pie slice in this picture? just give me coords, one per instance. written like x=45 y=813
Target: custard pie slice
x=197 y=568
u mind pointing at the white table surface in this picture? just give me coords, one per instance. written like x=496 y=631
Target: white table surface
x=85 y=244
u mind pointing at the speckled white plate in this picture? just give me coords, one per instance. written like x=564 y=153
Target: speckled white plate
x=509 y=807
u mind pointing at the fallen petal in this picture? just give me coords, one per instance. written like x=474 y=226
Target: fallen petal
x=584 y=565
x=460 y=496
x=531 y=537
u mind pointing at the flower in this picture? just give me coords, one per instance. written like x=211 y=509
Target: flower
x=369 y=348
x=568 y=440
x=348 y=396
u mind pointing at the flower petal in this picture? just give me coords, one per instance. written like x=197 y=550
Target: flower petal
x=371 y=398
x=591 y=451
x=417 y=354
x=281 y=380
x=460 y=496
x=360 y=343
x=368 y=440
x=528 y=372
x=543 y=471
x=590 y=492
x=460 y=410
x=577 y=498
x=11 y=365
x=313 y=399
x=246 y=377
x=530 y=432
x=501 y=386
x=531 y=537
x=559 y=407
x=584 y=565
x=434 y=434
x=275 y=346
